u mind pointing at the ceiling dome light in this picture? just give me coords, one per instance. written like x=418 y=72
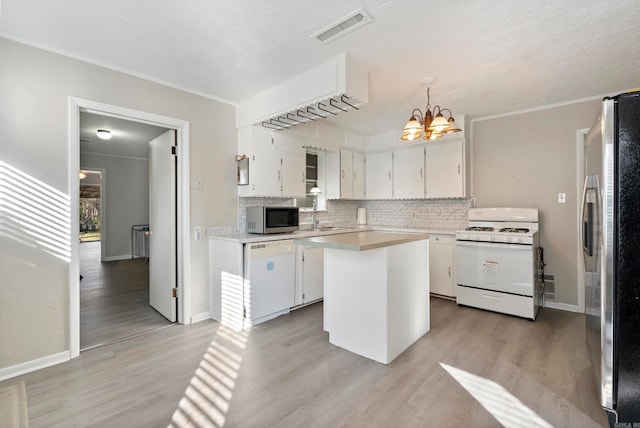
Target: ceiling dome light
x=82 y=175
x=103 y=134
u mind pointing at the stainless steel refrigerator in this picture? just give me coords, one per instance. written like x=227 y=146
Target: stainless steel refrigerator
x=611 y=248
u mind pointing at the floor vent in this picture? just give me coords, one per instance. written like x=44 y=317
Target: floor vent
x=344 y=26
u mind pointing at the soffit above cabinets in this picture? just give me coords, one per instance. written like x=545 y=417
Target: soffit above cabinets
x=334 y=87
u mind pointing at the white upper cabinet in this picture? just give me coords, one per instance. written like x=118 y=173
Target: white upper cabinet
x=358 y=176
x=445 y=169
x=379 y=175
x=408 y=173
x=294 y=168
x=345 y=175
x=277 y=163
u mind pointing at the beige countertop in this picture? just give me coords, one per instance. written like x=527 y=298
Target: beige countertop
x=244 y=237
x=361 y=241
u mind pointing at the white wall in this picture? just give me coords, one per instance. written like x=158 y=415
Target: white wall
x=526 y=160
x=125 y=197
x=34 y=268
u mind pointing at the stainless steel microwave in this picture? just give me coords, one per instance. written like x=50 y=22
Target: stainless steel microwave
x=272 y=219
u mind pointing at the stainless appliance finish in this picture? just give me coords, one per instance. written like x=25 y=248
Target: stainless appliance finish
x=497 y=267
x=610 y=242
x=265 y=220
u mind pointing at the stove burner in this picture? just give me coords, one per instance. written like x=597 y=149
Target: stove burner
x=514 y=230
x=480 y=229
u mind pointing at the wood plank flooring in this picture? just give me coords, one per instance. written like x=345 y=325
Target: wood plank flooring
x=114 y=298
x=284 y=373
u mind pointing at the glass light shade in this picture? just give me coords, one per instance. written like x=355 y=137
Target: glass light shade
x=407 y=136
x=413 y=126
x=435 y=135
x=453 y=126
x=82 y=175
x=315 y=190
x=103 y=134
x=439 y=124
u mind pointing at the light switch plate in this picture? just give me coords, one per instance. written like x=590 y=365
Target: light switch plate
x=197 y=233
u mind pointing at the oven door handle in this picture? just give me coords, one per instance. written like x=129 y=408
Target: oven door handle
x=524 y=247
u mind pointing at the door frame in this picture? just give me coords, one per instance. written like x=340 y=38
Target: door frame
x=183 y=249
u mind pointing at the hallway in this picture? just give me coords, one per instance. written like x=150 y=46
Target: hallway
x=114 y=298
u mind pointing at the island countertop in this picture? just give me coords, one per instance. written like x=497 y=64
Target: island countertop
x=361 y=241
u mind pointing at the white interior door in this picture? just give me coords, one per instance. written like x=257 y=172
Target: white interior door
x=162 y=225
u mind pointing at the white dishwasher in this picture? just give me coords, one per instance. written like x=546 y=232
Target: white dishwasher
x=271 y=276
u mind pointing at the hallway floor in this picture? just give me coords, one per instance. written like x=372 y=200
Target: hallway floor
x=114 y=298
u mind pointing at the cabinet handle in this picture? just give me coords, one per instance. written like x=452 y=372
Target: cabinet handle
x=389 y=175
x=355 y=176
x=458 y=169
x=449 y=271
x=303 y=177
x=278 y=175
x=343 y=173
x=420 y=172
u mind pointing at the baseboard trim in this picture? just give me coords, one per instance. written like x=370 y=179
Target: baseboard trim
x=33 y=365
x=200 y=317
x=116 y=258
x=561 y=306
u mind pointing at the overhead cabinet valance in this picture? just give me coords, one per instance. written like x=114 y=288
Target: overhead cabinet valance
x=332 y=87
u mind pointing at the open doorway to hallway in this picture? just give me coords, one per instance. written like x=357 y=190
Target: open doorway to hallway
x=114 y=197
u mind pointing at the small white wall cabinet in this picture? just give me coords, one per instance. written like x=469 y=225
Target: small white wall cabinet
x=310 y=274
x=445 y=169
x=379 y=175
x=277 y=163
x=409 y=173
x=346 y=175
x=441 y=264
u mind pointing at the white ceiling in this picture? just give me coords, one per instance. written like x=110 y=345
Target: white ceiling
x=487 y=57
x=128 y=138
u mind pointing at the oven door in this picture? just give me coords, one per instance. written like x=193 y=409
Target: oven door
x=507 y=268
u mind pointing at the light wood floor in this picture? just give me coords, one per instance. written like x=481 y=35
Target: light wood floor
x=284 y=373
x=114 y=298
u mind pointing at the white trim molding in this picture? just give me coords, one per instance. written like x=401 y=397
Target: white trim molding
x=33 y=365
x=203 y=316
x=183 y=205
x=562 y=306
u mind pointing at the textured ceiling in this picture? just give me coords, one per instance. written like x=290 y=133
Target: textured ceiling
x=487 y=57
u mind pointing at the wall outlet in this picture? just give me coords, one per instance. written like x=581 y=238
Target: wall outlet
x=562 y=198
x=413 y=214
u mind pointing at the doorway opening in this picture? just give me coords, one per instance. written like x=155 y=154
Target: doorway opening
x=90 y=205
x=114 y=252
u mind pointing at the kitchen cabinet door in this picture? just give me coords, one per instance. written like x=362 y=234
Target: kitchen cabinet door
x=379 y=182
x=444 y=164
x=293 y=175
x=408 y=173
x=441 y=265
x=346 y=174
x=265 y=170
x=358 y=176
x=310 y=274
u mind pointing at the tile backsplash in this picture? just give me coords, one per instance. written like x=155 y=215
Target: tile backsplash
x=409 y=213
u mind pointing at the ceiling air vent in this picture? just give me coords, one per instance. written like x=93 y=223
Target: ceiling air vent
x=349 y=23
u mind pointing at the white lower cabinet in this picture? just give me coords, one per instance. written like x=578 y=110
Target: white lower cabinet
x=310 y=274
x=441 y=264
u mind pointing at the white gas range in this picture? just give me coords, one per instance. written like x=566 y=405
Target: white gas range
x=498 y=266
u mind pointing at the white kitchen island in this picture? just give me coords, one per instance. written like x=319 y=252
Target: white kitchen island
x=376 y=291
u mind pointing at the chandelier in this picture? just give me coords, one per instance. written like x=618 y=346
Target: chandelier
x=428 y=126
